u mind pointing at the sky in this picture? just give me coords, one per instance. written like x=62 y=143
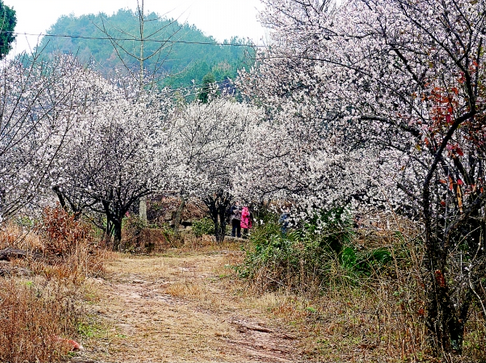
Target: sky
x=221 y=19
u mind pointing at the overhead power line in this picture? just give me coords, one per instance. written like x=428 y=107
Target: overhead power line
x=169 y=41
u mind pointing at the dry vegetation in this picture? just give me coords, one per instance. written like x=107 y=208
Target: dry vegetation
x=355 y=316
x=42 y=286
x=189 y=303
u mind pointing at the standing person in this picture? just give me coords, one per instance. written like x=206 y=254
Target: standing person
x=245 y=220
x=284 y=221
x=235 y=217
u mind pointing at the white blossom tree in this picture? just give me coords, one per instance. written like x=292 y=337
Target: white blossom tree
x=133 y=46
x=38 y=107
x=116 y=154
x=208 y=141
x=401 y=83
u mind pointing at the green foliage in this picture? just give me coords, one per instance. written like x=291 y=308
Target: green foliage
x=203 y=226
x=311 y=256
x=26 y=221
x=8 y=20
x=88 y=330
x=208 y=82
x=363 y=262
x=184 y=61
x=334 y=227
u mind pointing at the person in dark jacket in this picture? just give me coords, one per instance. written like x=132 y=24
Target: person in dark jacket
x=235 y=219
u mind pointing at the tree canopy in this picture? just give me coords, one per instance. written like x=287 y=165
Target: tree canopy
x=8 y=20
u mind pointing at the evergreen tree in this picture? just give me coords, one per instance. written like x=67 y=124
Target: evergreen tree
x=208 y=83
x=8 y=20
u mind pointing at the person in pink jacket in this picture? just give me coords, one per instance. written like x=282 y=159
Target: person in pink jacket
x=245 y=220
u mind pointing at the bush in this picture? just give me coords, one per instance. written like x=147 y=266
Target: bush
x=139 y=238
x=203 y=226
x=361 y=263
x=58 y=247
x=332 y=228
x=310 y=257
x=63 y=233
x=69 y=248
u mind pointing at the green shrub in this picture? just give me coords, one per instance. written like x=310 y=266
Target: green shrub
x=203 y=226
x=311 y=256
x=363 y=263
x=333 y=228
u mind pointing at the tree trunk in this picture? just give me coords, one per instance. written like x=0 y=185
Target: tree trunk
x=117 y=233
x=222 y=224
x=220 y=234
x=446 y=317
x=218 y=215
x=108 y=232
x=177 y=219
x=214 y=217
x=60 y=196
x=114 y=230
x=219 y=224
x=443 y=318
x=113 y=225
x=217 y=205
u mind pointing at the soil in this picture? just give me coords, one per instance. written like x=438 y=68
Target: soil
x=181 y=307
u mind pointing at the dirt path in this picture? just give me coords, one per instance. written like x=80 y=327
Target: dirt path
x=182 y=308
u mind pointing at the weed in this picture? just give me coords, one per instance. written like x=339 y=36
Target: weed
x=30 y=318
x=86 y=330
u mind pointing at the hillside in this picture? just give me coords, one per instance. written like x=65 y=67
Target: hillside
x=187 y=54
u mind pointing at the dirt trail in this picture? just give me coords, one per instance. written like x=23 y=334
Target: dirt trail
x=182 y=308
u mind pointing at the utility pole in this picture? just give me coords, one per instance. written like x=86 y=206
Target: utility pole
x=141 y=57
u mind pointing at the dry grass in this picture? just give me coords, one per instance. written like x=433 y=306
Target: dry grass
x=350 y=326
x=194 y=293
x=32 y=315
x=197 y=273
x=14 y=235
x=42 y=294
x=188 y=304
